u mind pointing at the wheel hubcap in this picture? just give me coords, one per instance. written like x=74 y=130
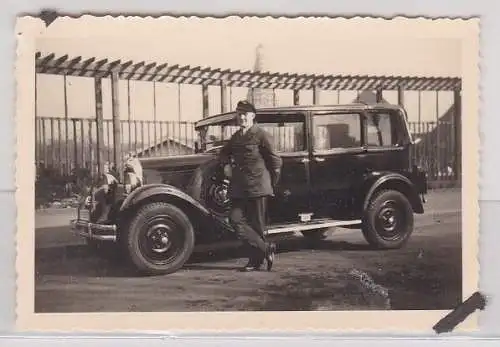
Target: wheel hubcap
x=390 y=220
x=158 y=237
x=161 y=240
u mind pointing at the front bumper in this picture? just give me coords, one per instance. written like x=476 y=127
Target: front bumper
x=102 y=232
x=83 y=226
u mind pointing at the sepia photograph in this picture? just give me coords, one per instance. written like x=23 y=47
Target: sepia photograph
x=247 y=165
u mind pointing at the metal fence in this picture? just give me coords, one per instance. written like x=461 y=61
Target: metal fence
x=63 y=146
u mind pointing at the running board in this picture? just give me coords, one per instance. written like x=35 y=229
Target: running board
x=324 y=223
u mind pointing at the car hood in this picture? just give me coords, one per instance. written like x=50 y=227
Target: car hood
x=175 y=170
x=188 y=161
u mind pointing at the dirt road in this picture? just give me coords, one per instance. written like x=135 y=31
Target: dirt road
x=338 y=274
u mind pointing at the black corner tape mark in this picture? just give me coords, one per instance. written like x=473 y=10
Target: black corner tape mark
x=48 y=16
x=460 y=313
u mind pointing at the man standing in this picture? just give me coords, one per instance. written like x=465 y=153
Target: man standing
x=255 y=173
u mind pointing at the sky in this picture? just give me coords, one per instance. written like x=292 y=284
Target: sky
x=292 y=46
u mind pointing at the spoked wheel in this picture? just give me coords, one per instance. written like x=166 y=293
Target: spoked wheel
x=388 y=221
x=209 y=185
x=160 y=238
x=215 y=197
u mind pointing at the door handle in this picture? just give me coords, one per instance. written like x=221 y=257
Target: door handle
x=304 y=160
x=319 y=159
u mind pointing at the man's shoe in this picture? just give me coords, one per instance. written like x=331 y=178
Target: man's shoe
x=251 y=266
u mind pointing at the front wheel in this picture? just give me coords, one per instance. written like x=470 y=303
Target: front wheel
x=159 y=239
x=388 y=220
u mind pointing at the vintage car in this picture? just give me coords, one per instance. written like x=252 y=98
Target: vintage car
x=347 y=166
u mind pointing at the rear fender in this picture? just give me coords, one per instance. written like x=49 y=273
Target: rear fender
x=397 y=182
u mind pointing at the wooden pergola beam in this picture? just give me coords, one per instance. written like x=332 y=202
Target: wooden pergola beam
x=163 y=72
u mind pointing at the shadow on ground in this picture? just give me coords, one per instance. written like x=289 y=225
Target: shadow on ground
x=318 y=292
x=80 y=261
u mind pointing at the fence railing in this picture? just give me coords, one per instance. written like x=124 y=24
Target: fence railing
x=436 y=150
x=67 y=145
x=63 y=146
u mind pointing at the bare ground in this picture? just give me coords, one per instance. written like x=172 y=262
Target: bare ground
x=341 y=273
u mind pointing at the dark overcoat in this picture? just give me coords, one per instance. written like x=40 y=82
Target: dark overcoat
x=257 y=166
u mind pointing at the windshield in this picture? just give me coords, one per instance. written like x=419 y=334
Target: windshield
x=218 y=134
x=286 y=130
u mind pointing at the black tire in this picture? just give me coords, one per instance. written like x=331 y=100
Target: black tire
x=159 y=225
x=388 y=220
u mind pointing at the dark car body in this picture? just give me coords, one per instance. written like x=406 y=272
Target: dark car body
x=336 y=161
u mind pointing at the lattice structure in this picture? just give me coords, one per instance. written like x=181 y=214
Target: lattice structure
x=164 y=72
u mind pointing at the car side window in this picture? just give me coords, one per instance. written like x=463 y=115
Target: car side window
x=336 y=131
x=287 y=137
x=287 y=131
x=381 y=130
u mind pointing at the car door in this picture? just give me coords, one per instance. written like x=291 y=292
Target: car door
x=336 y=160
x=288 y=131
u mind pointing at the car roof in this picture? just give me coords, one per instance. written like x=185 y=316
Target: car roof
x=222 y=118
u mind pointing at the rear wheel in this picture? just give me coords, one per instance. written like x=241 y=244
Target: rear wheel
x=159 y=239
x=388 y=220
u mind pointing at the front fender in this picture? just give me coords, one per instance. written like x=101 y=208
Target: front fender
x=149 y=190
x=375 y=183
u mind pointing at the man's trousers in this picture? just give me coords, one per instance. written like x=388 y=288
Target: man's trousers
x=248 y=218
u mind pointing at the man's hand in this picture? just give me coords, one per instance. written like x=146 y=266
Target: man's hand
x=275 y=176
